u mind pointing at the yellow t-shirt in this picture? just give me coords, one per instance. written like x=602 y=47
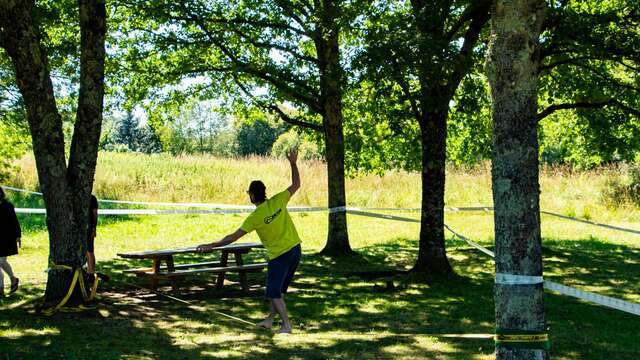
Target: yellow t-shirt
x=273 y=224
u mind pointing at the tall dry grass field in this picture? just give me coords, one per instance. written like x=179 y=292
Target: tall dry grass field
x=201 y=178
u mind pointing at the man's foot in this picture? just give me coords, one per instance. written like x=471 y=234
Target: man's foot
x=284 y=330
x=14 y=285
x=266 y=323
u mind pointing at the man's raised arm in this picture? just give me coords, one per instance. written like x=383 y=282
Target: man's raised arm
x=295 y=175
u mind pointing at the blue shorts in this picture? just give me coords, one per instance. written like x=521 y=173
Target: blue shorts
x=280 y=272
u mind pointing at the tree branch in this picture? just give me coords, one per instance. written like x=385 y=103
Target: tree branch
x=552 y=65
x=604 y=77
x=469 y=14
x=269 y=45
x=290 y=10
x=275 y=108
x=398 y=75
x=481 y=16
x=276 y=78
x=587 y=105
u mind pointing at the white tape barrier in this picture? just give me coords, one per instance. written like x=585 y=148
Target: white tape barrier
x=21 y=190
x=584 y=221
x=512 y=279
x=182 y=212
x=610 y=302
x=311 y=209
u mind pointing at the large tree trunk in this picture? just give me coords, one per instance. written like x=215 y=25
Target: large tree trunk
x=86 y=134
x=337 y=237
x=331 y=78
x=512 y=63
x=65 y=191
x=432 y=255
x=439 y=74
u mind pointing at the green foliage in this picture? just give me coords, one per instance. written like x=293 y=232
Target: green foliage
x=126 y=134
x=469 y=127
x=256 y=137
x=257 y=52
x=307 y=149
x=625 y=190
x=590 y=69
x=14 y=142
x=187 y=126
x=380 y=133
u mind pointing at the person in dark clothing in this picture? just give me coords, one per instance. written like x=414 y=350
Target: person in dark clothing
x=10 y=241
x=91 y=236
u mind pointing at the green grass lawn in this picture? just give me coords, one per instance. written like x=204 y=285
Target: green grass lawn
x=338 y=312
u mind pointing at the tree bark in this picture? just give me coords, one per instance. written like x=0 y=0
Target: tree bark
x=86 y=134
x=331 y=79
x=338 y=236
x=432 y=255
x=512 y=69
x=65 y=190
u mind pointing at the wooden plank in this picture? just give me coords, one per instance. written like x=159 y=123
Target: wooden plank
x=197 y=265
x=177 y=267
x=166 y=252
x=139 y=270
x=247 y=267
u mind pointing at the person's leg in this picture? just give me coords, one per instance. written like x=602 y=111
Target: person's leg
x=91 y=262
x=4 y=265
x=268 y=322
x=290 y=264
x=91 y=258
x=275 y=274
x=277 y=270
x=293 y=266
x=281 y=308
x=279 y=304
x=2 y=261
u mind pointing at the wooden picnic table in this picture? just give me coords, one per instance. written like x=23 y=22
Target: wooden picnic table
x=172 y=271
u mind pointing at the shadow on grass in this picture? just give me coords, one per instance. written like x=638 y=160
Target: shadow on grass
x=344 y=315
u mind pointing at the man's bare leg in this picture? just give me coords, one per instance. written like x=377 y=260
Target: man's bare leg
x=281 y=309
x=268 y=322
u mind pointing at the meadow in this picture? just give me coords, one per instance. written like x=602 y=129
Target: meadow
x=339 y=312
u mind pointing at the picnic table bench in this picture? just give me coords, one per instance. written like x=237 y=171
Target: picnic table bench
x=172 y=271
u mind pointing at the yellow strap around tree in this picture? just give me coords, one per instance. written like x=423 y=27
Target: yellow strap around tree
x=76 y=275
x=522 y=337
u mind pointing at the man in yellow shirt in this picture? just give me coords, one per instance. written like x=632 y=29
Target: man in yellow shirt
x=275 y=228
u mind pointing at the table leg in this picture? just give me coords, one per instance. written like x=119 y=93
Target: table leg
x=171 y=268
x=154 y=276
x=223 y=262
x=243 y=274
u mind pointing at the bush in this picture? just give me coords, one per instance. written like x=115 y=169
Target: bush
x=619 y=191
x=307 y=150
x=256 y=137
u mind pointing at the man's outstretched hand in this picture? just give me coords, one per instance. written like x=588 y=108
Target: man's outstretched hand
x=292 y=155
x=205 y=248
